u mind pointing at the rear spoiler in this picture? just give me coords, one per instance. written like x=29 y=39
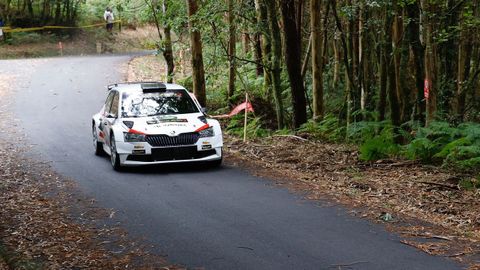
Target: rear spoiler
x=145 y=85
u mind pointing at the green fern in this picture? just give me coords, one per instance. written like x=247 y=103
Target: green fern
x=452 y=146
x=464 y=158
x=254 y=127
x=328 y=129
x=379 y=147
x=421 y=149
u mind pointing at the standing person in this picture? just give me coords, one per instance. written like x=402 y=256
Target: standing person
x=108 y=16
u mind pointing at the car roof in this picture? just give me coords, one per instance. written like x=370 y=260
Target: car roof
x=137 y=86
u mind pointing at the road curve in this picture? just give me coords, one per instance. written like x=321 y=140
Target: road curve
x=218 y=219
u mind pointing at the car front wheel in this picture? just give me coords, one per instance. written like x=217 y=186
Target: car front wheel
x=114 y=157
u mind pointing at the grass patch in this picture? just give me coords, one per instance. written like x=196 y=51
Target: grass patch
x=16 y=261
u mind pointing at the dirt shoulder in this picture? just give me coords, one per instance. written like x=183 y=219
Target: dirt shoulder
x=425 y=205
x=45 y=222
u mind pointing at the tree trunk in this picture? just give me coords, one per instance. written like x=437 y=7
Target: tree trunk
x=198 y=71
x=392 y=77
x=262 y=24
x=168 y=48
x=246 y=42
x=352 y=49
x=448 y=56
x=350 y=82
x=465 y=50
x=293 y=62
x=258 y=54
x=317 y=59
x=30 y=9
x=430 y=66
x=367 y=64
x=336 y=66
x=58 y=6
x=275 y=59
x=397 y=35
x=231 y=50
x=418 y=51
x=382 y=94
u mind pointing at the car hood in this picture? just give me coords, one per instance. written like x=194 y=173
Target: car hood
x=169 y=124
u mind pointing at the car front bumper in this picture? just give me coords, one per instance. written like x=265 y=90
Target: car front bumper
x=142 y=153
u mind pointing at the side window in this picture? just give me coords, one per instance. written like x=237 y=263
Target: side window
x=108 y=102
x=114 y=108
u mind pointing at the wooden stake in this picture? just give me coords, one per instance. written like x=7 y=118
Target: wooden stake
x=245 y=123
x=60 y=48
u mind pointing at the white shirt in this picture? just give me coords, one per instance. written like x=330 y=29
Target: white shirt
x=108 y=16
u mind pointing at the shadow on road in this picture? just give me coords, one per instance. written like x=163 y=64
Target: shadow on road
x=186 y=167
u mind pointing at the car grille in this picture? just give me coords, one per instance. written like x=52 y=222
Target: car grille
x=165 y=140
x=172 y=153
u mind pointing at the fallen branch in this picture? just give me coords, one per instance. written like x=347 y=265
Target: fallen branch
x=429 y=236
x=401 y=164
x=455 y=255
x=440 y=237
x=408 y=243
x=291 y=136
x=439 y=184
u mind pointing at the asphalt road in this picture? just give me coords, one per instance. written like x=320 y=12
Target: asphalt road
x=218 y=219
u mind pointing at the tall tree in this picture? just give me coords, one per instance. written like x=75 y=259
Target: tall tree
x=266 y=46
x=418 y=51
x=430 y=59
x=198 y=71
x=164 y=44
x=275 y=60
x=231 y=49
x=317 y=58
x=293 y=61
x=391 y=24
x=168 y=48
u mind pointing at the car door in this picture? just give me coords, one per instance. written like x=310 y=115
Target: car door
x=107 y=117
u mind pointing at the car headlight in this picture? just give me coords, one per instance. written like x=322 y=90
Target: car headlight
x=133 y=137
x=208 y=132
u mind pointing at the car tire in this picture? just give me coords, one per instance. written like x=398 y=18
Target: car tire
x=98 y=146
x=114 y=157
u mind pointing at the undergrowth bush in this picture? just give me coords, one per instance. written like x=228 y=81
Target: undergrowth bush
x=375 y=147
x=329 y=129
x=361 y=132
x=456 y=148
x=254 y=126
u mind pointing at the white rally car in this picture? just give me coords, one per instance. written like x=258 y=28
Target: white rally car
x=154 y=123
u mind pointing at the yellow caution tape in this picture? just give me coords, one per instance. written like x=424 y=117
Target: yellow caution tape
x=15 y=30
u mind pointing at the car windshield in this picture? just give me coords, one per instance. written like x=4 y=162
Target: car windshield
x=158 y=103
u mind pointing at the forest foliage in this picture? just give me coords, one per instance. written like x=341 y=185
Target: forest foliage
x=398 y=77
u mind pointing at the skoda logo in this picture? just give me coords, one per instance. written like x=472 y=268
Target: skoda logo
x=172 y=132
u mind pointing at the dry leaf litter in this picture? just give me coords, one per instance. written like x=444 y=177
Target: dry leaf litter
x=43 y=220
